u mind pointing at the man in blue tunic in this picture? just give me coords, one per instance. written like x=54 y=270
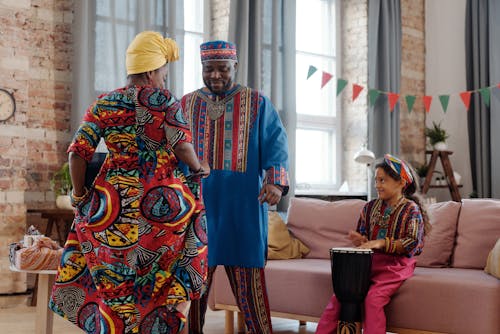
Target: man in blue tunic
x=238 y=131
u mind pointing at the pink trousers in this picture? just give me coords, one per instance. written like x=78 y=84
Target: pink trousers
x=387 y=274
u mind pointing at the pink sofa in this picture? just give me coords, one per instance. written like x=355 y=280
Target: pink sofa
x=449 y=293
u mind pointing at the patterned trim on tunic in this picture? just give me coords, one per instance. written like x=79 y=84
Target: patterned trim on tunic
x=223 y=142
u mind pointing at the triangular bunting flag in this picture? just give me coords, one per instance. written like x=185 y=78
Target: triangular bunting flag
x=373 y=94
x=465 y=96
x=498 y=85
x=410 y=101
x=393 y=99
x=326 y=77
x=485 y=94
x=427 y=102
x=356 y=89
x=444 y=99
x=311 y=71
x=341 y=83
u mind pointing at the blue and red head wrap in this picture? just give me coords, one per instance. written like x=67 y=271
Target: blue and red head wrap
x=218 y=50
x=399 y=167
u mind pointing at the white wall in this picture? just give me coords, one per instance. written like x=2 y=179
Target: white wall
x=445 y=74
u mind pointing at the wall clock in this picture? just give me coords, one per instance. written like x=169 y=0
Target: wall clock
x=7 y=105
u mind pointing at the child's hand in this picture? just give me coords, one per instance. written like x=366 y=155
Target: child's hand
x=373 y=244
x=356 y=238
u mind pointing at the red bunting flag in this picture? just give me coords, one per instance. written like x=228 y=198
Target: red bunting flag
x=356 y=89
x=498 y=85
x=393 y=99
x=427 y=102
x=465 y=96
x=325 y=78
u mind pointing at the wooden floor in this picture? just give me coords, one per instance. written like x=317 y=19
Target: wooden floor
x=21 y=320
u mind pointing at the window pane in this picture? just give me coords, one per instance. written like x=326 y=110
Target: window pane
x=315 y=30
x=311 y=98
x=315 y=158
x=193 y=15
x=192 y=63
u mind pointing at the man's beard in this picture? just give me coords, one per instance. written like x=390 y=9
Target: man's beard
x=226 y=87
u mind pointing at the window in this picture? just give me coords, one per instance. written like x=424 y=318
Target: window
x=317 y=136
x=118 y=21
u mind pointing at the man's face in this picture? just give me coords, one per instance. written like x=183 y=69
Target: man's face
x=218 y=75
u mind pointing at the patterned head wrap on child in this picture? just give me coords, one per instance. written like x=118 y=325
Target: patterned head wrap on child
x=218 y=50
x=399 y=167
x=150 y=51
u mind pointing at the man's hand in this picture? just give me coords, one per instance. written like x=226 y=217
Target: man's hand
x=270 y=193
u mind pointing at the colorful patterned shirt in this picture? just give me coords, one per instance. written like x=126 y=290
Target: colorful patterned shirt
x=404 y=222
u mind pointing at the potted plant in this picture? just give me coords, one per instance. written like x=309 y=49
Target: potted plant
x=437 y=136
x=421 y=171
x=61 y=184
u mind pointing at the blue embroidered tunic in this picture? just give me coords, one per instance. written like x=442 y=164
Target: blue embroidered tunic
x=246 y=146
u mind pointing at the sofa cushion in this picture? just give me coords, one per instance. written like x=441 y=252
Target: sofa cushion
x=281 y=244
x=447 y=300
x=493 y=262
x=477 y=231
x=321 y=225
x=438 y=244
x=295 y=286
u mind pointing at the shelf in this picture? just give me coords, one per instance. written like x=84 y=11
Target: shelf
x=447 y=171
x=444 y=186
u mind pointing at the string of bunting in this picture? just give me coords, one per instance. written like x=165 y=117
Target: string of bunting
x=393 y=98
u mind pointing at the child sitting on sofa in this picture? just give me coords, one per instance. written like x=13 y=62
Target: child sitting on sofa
x=393 y=226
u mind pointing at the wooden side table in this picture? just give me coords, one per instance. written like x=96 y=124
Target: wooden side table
x=61 y=219
x=44 y=317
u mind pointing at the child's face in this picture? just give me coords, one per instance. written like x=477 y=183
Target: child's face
x=387 y=187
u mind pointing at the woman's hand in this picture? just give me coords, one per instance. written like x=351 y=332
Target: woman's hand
x=356 y=238
x=373 y=244
x=204 y=170
x=270 y=193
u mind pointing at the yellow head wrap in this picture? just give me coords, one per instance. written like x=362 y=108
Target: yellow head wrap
x=150 y=51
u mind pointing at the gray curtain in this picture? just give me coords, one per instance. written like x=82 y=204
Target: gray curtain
x=482 y=47
x=384 y=73
x=160 y=15
x=264 y=32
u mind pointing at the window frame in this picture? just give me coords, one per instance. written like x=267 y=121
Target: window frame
x=332 y=125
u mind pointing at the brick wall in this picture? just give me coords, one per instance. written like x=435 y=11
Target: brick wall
x=220 y=19
x=413 y=80
x=354 y=69
x=35 y=65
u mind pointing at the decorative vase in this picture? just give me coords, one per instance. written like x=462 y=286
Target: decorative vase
x=63 y=202
x=440 y=146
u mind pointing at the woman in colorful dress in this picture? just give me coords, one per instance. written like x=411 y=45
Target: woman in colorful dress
x=393 y=226
x=136 y=253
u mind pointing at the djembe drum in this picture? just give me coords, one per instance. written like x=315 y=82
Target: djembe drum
x=351 y=280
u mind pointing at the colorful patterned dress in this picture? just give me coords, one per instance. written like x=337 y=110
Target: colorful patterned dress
x=137 y=247
x=241 y=136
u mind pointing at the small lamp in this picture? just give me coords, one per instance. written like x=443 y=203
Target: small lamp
x=365 y=156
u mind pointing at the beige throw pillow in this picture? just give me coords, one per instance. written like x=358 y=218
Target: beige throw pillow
x=493 y=262
x=281 y=244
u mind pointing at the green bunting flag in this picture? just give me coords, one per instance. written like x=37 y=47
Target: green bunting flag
x=444 y=99
x=341 y=83
x=410 y=101
x=311 y=71
x=373 y=94
x=485 y=93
